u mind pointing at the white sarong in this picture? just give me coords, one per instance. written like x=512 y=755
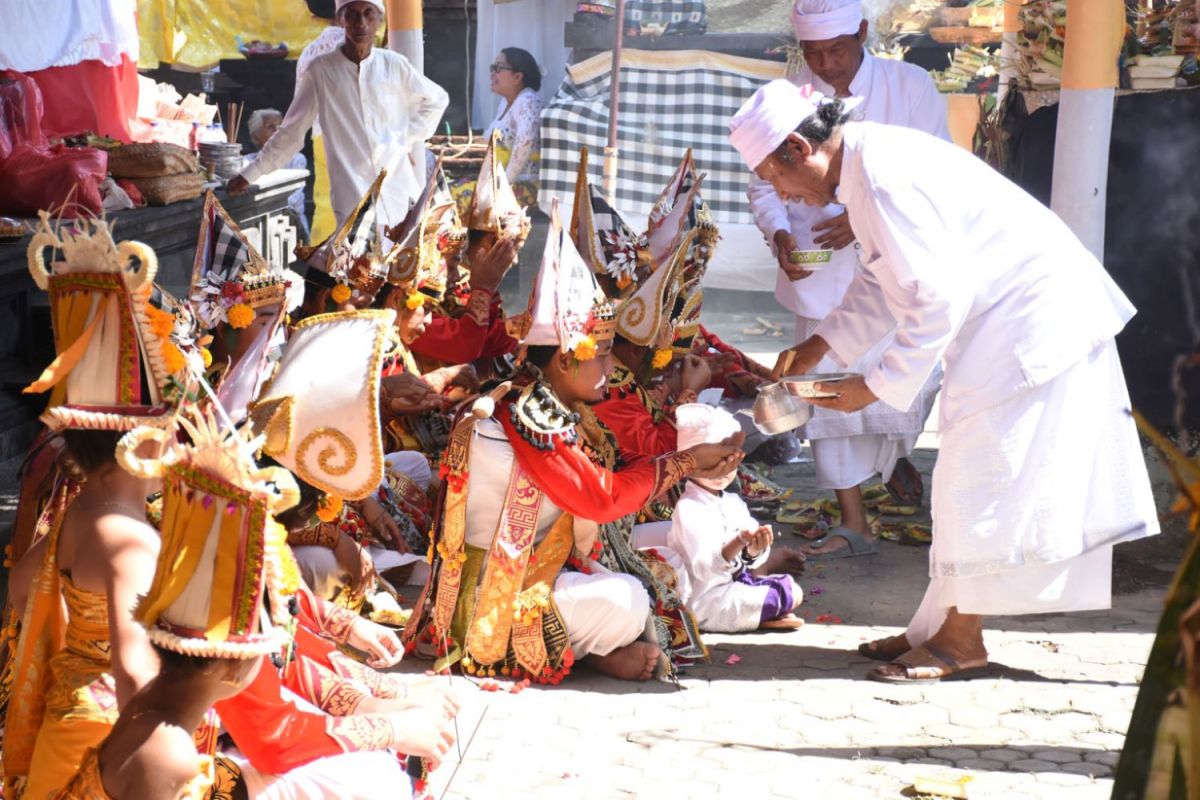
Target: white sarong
x=1030 y=495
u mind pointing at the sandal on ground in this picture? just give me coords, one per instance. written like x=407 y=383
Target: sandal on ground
x=788 y=622
x=906 y=499
x=876 y=651
x=919 y=671
x=856 y=545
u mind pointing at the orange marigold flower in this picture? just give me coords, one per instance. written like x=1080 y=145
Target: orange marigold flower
x=240 y=316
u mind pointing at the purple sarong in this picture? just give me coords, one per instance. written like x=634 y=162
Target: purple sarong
x=781 y=593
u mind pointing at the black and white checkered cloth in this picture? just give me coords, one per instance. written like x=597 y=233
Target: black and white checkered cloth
x=670 y=101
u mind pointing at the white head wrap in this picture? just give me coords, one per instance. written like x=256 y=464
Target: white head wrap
x=819 y=20
x=775 y=110
x=343 y=3
x=697 y=423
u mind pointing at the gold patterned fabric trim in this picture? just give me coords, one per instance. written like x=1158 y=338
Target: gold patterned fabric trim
x=361 y=732
x=328 y=691
x=488 y=635
x=670 y=470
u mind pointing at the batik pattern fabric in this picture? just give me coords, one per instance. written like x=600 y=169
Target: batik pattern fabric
x=496 y=607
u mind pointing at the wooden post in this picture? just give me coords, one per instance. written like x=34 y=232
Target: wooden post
x=609 y=179
x=1095 y=29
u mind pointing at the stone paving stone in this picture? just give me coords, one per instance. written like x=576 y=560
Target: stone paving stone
x=980 y=764
x=1004 y=755
x=1108 y=759
x=1058 y=755
x=954 y=753
x=1033 y=765
x=972 y=717
x=1116 y=722
x=1088 y=768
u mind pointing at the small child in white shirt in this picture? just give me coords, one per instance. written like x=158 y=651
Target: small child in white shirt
x=722 y=545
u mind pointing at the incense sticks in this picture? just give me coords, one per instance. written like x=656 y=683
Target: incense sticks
x=233 y=120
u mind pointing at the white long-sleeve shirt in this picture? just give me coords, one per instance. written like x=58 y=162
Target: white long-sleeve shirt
x=974 y=272
x=371 y=115
x=893 y=92
x=703 y=523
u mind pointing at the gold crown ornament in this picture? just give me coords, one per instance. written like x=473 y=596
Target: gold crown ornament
x=230 y=279
x=430 y=234
x=110 y=367
x=222 y=550
x=566 y=308
x=494 y=207
x=353 y=255
x=607 y=244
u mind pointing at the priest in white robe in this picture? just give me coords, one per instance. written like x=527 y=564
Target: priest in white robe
x=1040 y=471
x=848 y=448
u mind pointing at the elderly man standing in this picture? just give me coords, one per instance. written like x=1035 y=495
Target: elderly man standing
x=1040 y=470
x=262 y=126
x=847 y=448
x=373 y=105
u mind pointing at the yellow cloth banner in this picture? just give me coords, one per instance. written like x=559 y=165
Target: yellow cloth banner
x=199 y=33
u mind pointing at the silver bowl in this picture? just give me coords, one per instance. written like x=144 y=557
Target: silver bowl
x=776 y=411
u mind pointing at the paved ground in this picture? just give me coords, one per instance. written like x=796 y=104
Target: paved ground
x=790 y=715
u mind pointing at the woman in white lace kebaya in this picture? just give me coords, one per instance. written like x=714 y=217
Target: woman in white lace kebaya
x=517 y=78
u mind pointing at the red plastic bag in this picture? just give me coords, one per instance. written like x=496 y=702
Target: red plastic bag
x=20 y=113
x=65 y=180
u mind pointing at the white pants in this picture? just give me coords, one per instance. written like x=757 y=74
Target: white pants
x=1082 y=583
x=601 y=611
x=847 y=461
x=375 y=775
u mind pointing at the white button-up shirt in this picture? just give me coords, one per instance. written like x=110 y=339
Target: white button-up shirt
x=372 y=114
x=893 y=92
x=985 y=279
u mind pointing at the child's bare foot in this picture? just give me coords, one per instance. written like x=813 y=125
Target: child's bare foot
x=783 y=560
x=788 y=622
x=633 y=662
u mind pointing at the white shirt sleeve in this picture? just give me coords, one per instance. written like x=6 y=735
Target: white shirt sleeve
x=770 y=212
x=526 y=125
x=930 y=293
x=427 y=102
x=929 y=109
x=289 y=139
x=698 y=536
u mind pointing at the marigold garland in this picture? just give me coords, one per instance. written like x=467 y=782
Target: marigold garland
x=585 y=349
x=173 y=357
x=414 y=301
x=340 y=293
x=240 y=316
x=662 y=357
x=329 y=508
x=206 y=357
x=161 y=322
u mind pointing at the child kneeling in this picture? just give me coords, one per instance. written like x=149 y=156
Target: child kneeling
x=724 y=548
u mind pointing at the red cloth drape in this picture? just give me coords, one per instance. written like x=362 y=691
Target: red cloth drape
x=89 y=96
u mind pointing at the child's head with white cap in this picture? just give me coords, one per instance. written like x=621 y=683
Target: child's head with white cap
x=697 y=423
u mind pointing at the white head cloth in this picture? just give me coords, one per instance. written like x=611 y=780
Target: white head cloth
x=697 y=423
x=343 y=3
x=819 y=20
x=775 y=110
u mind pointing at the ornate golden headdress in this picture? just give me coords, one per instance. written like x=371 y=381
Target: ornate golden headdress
x=494 y=207
x=320 y=413
x=230 y=279
x=431 y=233
x=111 y=365
x=353 y=255
x=221 y=548
x=566 y=307
x=607 y=244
